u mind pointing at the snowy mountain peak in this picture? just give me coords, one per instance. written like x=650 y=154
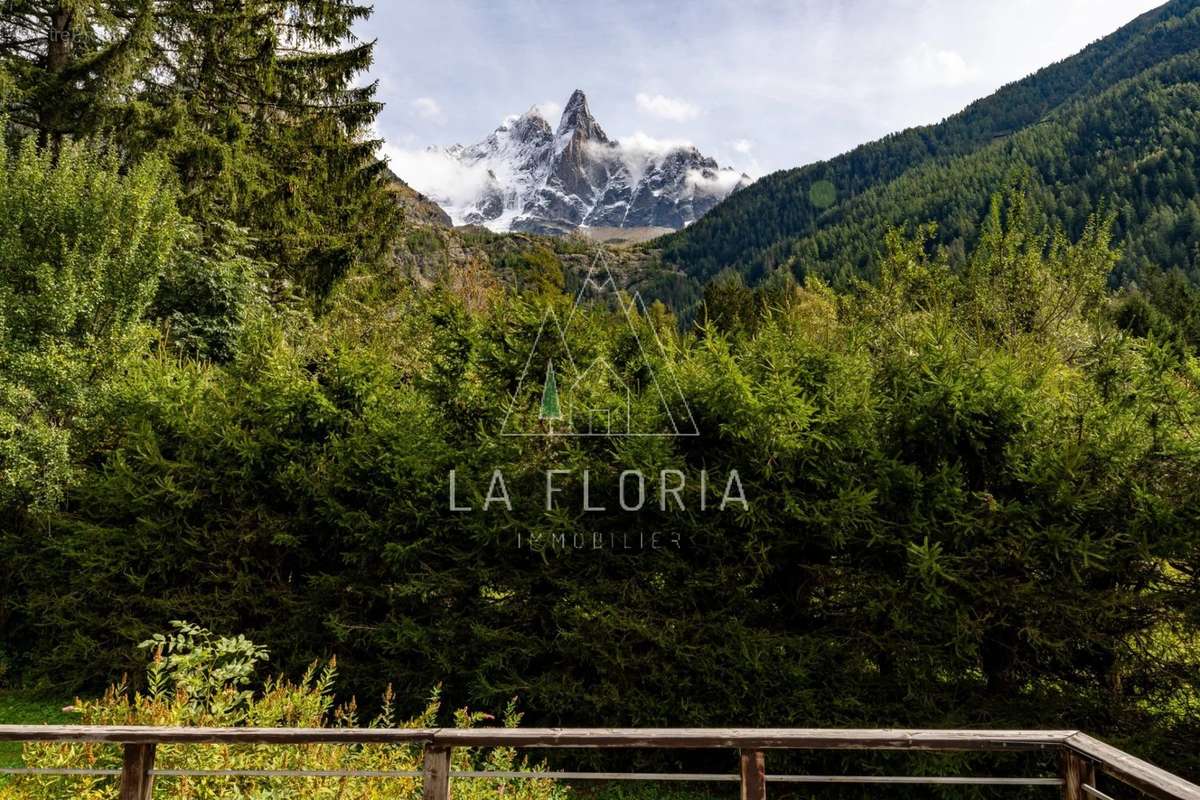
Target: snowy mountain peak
x=525 y=177
x=530 y=125
x=577 y=119
x=577 y=100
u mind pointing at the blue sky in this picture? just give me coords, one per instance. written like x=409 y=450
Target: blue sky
x=758 y=84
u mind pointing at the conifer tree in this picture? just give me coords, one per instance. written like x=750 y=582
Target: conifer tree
x=69 y=61
x=255 y=102
x=261 y=116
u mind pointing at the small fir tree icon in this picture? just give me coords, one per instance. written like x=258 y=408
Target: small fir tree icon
x=550 y=409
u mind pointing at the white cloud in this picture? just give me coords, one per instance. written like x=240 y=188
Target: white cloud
x=740 y=154
x=928 y=67
x=639 y=151
x=433 y=172
x=719 y=182
x=672 y=108
x=428 y=108
x=641 y=145
x=549 y=111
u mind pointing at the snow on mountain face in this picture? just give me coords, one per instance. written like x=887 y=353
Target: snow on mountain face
x=540 y=180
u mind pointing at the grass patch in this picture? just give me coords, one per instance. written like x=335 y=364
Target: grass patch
x=21 y=708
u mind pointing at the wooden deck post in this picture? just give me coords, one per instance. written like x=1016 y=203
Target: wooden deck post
x=136 y=781
x=1076 y=771
x=436 y=784
x=754 y=775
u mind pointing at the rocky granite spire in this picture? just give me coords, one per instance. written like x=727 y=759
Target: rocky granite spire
x=577 y=120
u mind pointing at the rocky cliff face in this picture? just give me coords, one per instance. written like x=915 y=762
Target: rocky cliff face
x=544 y=180
x=416 y=207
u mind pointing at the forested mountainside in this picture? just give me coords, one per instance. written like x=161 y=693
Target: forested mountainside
x=1114 y=124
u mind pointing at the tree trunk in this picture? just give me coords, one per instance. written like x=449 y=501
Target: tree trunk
x=59 y=54
x=59 y=48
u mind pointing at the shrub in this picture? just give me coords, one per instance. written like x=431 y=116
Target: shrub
x=199 y=679
x=82 y=246
x=205 y=297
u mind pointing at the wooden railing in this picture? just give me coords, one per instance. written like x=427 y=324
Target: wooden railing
x=1082 y=760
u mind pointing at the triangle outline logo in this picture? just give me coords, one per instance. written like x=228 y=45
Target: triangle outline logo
x=560 y=375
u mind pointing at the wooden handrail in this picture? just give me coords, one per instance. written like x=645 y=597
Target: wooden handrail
x=136 y=734
x=754 y=738
x=1082 y=757
x=1132 y=771
x=575 y=738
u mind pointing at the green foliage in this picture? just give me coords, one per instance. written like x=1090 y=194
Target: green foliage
x=254 y=104
x=731 y=306
x=1162 y=305
x=281 y=144
x=82 y=247
x=212 y=671
x=199 y=679
x=208 y=293
x=71 y=62
x=972 y=500
x=534 y=270
x=424 y=241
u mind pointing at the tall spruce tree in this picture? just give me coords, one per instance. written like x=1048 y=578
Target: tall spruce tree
x=70 y=61
x=260 y=113
x=255 y=102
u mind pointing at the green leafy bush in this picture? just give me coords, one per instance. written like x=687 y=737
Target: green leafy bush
x=207 y=295
x=82 y=246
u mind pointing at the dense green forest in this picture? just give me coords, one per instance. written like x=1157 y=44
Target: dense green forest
x=252 y=104
x=1114 y=126
x=238 y=368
